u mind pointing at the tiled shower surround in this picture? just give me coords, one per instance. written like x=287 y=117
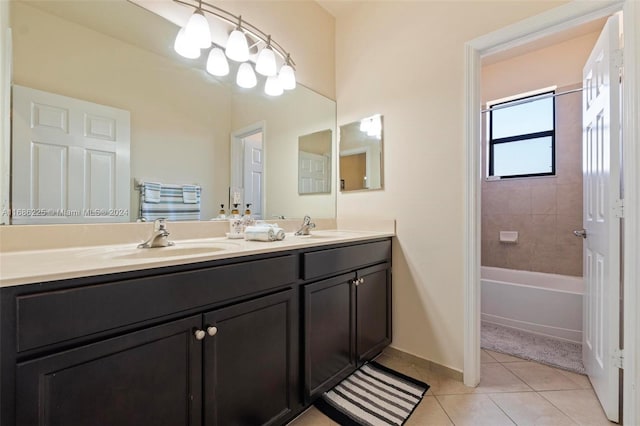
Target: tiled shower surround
x=544 y=210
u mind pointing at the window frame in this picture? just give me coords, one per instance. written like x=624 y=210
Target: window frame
x=525 y=136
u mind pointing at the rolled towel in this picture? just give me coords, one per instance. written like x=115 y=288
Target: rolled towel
x=259 y=233
x=279 y=233
x=263 y=224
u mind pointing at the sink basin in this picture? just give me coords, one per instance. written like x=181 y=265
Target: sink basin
x=172 y=251
x=315 y=236
x=325 y=234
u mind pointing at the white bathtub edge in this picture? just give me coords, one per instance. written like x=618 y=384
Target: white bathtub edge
x=573 y=336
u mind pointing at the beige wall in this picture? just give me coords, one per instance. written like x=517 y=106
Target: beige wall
x=405 y=60
x=543 y=210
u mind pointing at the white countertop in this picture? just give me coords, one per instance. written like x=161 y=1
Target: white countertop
x=32 y=266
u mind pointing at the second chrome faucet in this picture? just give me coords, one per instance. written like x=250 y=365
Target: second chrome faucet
x=159 y=236
x=306 y=226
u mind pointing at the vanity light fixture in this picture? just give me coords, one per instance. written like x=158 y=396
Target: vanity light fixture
x=217 y=63
x=237 y=47
x=197 y=31
x=246 y=78
x=273 y=86
x=266 y=62
x=184 y=48
x=243 y=39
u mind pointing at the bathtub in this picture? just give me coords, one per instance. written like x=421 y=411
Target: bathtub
x=547 y=304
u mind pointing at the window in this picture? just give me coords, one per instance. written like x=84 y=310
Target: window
x=522 y=137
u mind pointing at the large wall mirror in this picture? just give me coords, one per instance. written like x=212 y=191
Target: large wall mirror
x=186 y=127
x=361 y=165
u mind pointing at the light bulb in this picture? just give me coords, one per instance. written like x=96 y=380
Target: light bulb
x=217 y=63
x=365 y=124
x=246 y=77
x=376 y=127
x=184 y=48
x=197 y=30
x=273 y=87
x=266 y=63
x=237 y=47
x=287 y=77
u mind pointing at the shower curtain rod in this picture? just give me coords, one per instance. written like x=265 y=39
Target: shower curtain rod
x=532 y=99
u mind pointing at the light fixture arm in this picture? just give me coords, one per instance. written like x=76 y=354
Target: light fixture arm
x=243 y=25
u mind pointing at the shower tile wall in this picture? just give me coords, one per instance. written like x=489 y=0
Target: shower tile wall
x=544 y=210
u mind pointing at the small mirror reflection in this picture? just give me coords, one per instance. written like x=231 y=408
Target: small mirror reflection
x=361 y=154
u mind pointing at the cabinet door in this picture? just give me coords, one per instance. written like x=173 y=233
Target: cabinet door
x=373 y=311
x=250 y=364
x=329 y=333
x=148 y=377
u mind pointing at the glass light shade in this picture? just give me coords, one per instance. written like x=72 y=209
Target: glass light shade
x=266 y=63
x=217 y=63
x=184 y=48
x=237 y=47
x=246 y=77
x=273 y=87
x=197 y=30
x=287 y=77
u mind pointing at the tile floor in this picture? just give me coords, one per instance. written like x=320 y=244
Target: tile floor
x=511 y=391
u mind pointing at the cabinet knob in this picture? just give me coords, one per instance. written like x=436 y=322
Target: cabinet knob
x=361 y=281
x=356 y=282
x=199 y=334
x=212 y=331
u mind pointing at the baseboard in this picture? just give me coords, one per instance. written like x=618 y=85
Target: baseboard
x=424 y=363
x=573 y=336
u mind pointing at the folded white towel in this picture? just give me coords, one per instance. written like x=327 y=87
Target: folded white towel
x=189 y=194
x=152 y=192
x=259 y=233
x=264 y=224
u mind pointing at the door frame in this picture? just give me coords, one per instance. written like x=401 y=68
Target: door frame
x=544 y=24
x=236 y=153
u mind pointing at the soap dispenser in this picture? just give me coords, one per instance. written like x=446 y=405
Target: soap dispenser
x=222 y=214
x=236 y=229
x=247 y=220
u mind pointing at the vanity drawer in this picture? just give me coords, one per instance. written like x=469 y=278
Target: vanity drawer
x=52 y=317
x=325 y=262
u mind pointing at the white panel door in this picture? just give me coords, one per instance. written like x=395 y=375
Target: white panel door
x=253 y=173
x=313 y=173
x=70 y=160
x=601 y=174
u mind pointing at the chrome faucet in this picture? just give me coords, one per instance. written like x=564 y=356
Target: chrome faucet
x=306 y=226
x=159 y=236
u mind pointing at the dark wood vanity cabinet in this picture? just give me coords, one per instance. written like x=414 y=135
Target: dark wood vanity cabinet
x=329 y=330
x=217 y=343
x=347 y=318
x=373 y=311
x=148 y=377
x=251 y=363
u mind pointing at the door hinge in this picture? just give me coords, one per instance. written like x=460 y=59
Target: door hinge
x=618 y=208
x=617 y=57
x=618 y=358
